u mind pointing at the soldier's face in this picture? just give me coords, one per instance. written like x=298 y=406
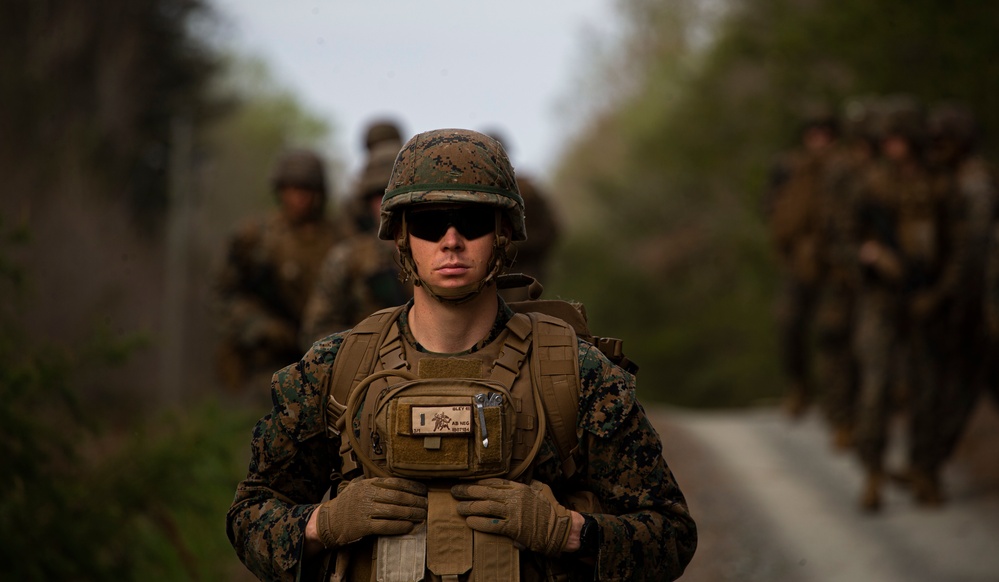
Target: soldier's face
x=299 y=204
x=460 y=256
x=896 y=148
x=817 y=139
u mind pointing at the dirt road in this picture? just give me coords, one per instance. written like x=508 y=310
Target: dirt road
x=775 y=503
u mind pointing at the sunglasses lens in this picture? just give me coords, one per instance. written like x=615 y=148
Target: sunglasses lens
x=427 y=225
x=471 y=223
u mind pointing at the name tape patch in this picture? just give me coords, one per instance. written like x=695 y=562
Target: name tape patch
x=442 y=419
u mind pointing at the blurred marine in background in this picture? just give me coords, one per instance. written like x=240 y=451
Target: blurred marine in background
x=794 y=208
x=963 y=175
x=905 y=247
x=835 y=361
x=360 y=275
x=270 y=269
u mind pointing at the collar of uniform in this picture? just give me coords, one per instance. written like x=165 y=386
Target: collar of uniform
x=503 y=315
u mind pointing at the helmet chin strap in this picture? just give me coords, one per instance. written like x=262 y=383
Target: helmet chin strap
x=453 y=295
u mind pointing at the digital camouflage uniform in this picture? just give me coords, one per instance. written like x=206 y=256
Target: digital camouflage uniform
x=901 y=300
x=361 y=274
x=836 y=366
x=358 y=277
x=270 y=268
x=646 y=530
x=794 y=213
x=960 y=170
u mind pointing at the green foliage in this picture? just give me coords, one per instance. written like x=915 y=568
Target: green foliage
x=664 y=190
x=79 y=501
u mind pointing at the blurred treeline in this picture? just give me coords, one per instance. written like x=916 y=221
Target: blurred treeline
x=664 y=186
x=130 y=145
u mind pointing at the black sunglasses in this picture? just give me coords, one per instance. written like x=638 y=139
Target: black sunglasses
x=432 y=224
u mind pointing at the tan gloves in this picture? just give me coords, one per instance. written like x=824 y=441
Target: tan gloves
x=528 y=514
x=379 y=506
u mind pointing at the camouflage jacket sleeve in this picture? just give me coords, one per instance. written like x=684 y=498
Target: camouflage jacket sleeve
x=646 y=530
x=291 y=464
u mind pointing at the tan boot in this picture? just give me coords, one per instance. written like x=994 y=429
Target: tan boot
x=870 y=496
x=842 y=438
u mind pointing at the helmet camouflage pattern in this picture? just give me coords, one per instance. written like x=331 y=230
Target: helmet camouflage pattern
x=954 y=121
x=902 y=115
x=451 y=166
x=299 y=168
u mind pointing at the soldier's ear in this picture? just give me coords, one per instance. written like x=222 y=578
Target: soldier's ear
x=504 y=230
x=401 y=234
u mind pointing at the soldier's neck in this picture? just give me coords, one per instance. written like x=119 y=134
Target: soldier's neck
x=444 y=328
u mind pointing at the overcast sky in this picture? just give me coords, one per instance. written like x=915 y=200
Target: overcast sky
x=429 y=63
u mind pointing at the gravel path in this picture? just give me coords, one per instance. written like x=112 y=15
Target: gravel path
x=773 y=502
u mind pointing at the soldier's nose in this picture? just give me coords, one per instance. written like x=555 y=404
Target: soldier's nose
x=452 y=238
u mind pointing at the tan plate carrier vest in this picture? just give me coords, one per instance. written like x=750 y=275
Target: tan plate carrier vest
x=443 y=419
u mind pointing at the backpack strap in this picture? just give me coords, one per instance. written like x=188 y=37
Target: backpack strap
x=555 y=372
x=355 y=360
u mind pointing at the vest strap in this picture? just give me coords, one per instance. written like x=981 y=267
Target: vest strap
x=514 y=351
x=496 y=559
x=449 y=551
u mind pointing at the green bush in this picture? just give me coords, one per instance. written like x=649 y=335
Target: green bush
x=83 y=498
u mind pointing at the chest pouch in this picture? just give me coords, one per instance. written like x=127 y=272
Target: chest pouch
x=446 y=427
x=437 y=427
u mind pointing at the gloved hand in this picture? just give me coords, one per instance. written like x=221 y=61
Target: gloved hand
x=378 y=506
x=528 y=514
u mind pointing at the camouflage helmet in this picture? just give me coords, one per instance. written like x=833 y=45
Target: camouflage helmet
x=903 y=116
x=954 y=121
x=860 y=117
x=818 y=116
x=299 y=168
x=380 y=131
x=452 y=166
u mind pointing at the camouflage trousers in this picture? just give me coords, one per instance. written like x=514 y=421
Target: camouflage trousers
x=877 y=349
x=835 y=363
x=795 y=312
x=907 y=365
x=959 y=338
x=931 y=394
